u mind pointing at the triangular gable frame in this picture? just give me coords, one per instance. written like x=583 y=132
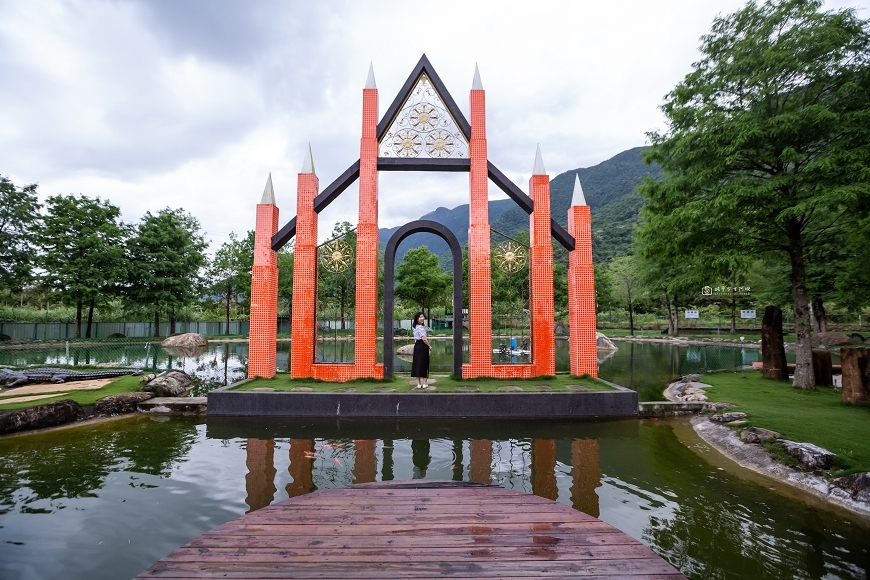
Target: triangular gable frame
x=423 y=66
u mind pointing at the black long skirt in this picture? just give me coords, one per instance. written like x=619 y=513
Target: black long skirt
x=420 y=362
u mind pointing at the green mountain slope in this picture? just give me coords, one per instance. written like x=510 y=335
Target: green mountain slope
x=609 y=191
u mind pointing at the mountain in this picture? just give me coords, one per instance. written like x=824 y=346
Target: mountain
x=609 y=191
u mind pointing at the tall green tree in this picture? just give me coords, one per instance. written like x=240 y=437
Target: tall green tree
x=421 y=279
x=165 y=255
x=19 y=216
x=768 y=140
x=285 y=277
x=82 y=241
x=625 y=276
x=229 y=271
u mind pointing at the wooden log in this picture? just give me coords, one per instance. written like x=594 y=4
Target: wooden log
x=772 y=347
x=856 y=375
x=822 y=367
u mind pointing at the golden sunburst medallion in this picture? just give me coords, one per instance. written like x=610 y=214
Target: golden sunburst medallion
x=336 y=256
x=510 y=256
x=407 y=143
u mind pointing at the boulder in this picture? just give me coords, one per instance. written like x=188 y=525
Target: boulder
x=810 y=455
x=147 y=378
x=604 y=343
x=691 y=379
x=831 y=339
x=757 y=435
x=40 y=416
x=189 y=344
x=408 y=349
x=171 y=384
x=857 y=484
x=728 y=417
x=121 y=404
x=716 y=407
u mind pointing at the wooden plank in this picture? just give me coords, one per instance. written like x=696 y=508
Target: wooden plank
x=404 y=530
x=411 y=541
x=491 y=569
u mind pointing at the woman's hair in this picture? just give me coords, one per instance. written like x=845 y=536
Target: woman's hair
x=416 y=317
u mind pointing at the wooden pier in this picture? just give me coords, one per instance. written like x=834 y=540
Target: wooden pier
x=414 y=529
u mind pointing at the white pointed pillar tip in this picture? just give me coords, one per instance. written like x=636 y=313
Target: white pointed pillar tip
x=538 y=169
x=370 y=81
x=578 y=198
x=476 y=85
x=268 y=193
x=308 y=164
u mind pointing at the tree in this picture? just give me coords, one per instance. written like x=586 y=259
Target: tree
x=285 y=276
x=19 y=215
x=82 y=245
x=768 y=140
x=421 y=279
x=337 y=270
x=229 y=272
x=164 y=258
x=625 y=276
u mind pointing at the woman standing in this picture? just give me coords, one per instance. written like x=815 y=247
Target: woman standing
x=422 y=348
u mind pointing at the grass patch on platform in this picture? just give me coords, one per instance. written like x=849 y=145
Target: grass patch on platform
x=120 y=385
x=820 y=416
x=443 y=384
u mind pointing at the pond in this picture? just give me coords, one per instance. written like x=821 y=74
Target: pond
x=107 y=500
x=644 y=367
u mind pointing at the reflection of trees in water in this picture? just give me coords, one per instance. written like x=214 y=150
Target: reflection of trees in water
x=75 y=463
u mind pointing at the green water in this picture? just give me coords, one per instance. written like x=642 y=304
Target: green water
x=108 y=500
x=644 y=367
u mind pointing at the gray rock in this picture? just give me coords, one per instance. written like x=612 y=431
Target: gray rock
x=809 y=455
x=690 y=379
x=831 y=339
x=604 y=343
x=172 y=384
x=121 y=404
x=857 y=484
x=407 y=349
x=727 y=417
x=187 y=345
x=757 y=435
x=145 y=379
x=716 y=407
x=40 y=416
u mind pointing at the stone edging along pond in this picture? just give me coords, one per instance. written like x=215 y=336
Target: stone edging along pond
x=620 y=402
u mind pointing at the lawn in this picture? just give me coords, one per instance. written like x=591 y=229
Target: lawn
x=820 y=416
x=126 y=384
x=443 y=384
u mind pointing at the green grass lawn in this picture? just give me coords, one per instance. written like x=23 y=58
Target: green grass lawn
x=121 y=385
x=443 y=384
x=820 y=416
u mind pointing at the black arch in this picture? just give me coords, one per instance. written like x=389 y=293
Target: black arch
x=403 y=232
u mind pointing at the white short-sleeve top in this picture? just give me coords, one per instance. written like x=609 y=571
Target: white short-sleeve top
x=419 y=331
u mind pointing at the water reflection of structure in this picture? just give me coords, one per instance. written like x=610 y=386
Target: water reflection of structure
x=532 y=466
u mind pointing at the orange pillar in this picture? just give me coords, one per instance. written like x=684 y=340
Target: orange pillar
x=541 y=272
x=260 y=480
x=581 y=288
x=300 y=467
x=479 y=274
x=364 y=461
x=585 y=476
x=480 y=464
x=367 y=242
x=544 y=469
x=305 y=273
x=262 y=353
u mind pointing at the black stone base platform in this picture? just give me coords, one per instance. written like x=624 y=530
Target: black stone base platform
x=620 y=402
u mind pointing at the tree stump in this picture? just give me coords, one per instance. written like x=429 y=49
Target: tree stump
x=822 y=370
x=856 y=375
x=772 y=347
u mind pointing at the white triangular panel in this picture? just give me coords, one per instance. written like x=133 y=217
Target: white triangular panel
x=423 y=128
x=269 y=192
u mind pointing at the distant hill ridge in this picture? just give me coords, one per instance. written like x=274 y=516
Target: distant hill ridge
x=609 y=191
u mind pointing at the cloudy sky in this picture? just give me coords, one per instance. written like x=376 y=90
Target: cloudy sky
x=191 y=103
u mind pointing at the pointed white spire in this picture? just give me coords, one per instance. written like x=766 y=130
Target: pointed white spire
x=269 y=192
x=538 y=169
x=476 y=85
x=578 y=198
x=308 y=164
x=370 y=81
